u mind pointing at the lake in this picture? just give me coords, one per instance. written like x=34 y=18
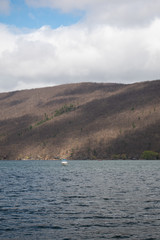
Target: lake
x=84 y=200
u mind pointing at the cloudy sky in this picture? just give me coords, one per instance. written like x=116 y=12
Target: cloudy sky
x=51 y=42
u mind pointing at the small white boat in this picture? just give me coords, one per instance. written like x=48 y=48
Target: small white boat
x=64 y=162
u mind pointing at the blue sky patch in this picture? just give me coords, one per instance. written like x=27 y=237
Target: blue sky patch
x=23 y=16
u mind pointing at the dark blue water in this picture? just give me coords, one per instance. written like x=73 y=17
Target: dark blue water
x=84 y=200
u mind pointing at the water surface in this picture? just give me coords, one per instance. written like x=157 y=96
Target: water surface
x=84 y=200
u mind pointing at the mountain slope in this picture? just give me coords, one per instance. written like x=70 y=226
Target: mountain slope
x=80 y=121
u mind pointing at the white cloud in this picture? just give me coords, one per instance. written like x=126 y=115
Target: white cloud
x=64 y=5
x=116 y=12
x=78 y=53
x=4 y=7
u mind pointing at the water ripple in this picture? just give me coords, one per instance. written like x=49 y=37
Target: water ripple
x=87 y=200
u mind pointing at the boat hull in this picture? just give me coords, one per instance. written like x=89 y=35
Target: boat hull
x=64 y=162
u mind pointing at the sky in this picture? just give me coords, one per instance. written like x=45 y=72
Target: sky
x=52 y=42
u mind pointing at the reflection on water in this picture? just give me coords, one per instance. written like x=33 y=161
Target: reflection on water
x=84 y=200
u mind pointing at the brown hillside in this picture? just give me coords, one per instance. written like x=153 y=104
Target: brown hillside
x=80 y=121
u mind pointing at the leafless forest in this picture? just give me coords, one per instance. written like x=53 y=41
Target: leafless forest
x=81 y=121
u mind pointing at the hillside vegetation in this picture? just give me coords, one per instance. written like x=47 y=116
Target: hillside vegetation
x=81 y=121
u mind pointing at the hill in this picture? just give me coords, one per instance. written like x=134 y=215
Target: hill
x=81 y=121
